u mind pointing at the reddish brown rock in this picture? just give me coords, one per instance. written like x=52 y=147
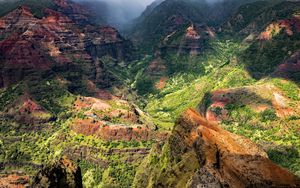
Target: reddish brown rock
x=112 y=132
x=290 y=68
x=32 y=46
x=27 y=111
x=259 y=98
x=201 y=154
x=233 y=160
x=14 y=181
x=113 y=119
x=157 y=67
x=192 y=42
x=161 y=83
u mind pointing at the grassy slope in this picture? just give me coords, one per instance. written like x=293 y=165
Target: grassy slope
x=232 y=64
x=223 y=69
x=42 y=143
x=186 y=90
x=219 y=68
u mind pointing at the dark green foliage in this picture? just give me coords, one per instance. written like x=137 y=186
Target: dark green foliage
x=144 y=85
x=249 y=12
x=262 y=58
x=14 y=154
x=37 y=6
x=260 y=13
x=287 y=157
x=217 y=110
x=268 y=115
x=75 y=74
x=156 y=25
x=183 y=64
x=51 y=96
x=9 y=95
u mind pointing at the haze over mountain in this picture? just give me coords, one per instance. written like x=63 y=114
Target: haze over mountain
x=117 y=12
x=198 y=94
x=121 y=12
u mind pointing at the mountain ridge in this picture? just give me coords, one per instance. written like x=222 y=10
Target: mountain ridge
x=74 y=92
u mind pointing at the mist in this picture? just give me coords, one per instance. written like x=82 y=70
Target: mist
x=117 y=12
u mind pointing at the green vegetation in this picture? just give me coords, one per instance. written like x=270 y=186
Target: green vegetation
x=144 y=85
x=279 y=137
x=37 y=6
x=52 y=96
x=54 y=140
x=216 y=69
x=263 y=59
x=10 y=94
x=190 y=82
x=155 y=26
x=268 y=115
x=290 y=89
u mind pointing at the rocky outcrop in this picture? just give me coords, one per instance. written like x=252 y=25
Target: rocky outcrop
x=258 y=98
x=192 y=40
x=290 y=68
x=113 y=119
x=78 y=13
x=27 y=111
x=116 y=131
x=63 y=173
x=250 y=19
x=63 y=38
x=108 y=41
x=17 y=180
x=201 y=154
x=288 y=26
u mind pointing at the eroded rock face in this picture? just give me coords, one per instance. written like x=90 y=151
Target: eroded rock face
x=201 y=154
x=14 y=180
x=290 y=68
x=258 y=98
x=63 y=173
x=192 y=41
x=27 y=111
x=122 y=121
x=30 y=46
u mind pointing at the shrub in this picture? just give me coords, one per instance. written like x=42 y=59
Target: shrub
x=144 y=85
x=268 y=115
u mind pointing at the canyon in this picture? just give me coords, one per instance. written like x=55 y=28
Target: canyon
x=189 y=94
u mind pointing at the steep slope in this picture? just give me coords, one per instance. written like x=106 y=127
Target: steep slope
x=265 y=98
x=54 y=67
x=149 y=9
x=162 y=19
x=263 y=108
x=200 y=153
x=37 y=6
x=77 y=12
x=167 y=17
x=68 y=88
x=62 y=173
x=268 y=27
x=253 y=17
x=32 y=46
x=179 y=34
